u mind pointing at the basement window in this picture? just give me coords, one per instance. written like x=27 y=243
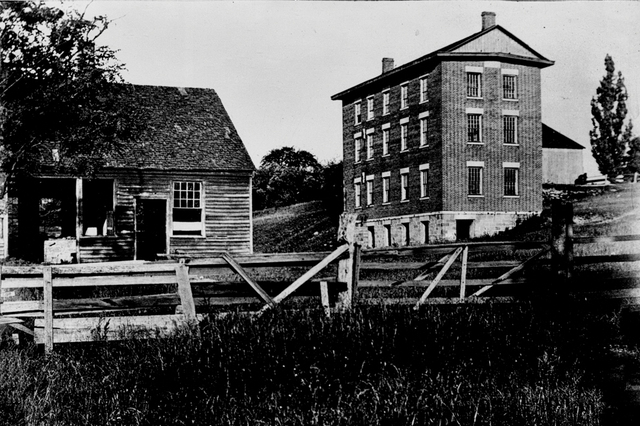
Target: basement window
x=187 y=209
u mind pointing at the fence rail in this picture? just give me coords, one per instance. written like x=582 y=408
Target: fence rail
x=171 y=293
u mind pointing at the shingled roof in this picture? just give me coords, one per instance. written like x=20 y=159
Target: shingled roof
x=554 y=139
x=187 y=129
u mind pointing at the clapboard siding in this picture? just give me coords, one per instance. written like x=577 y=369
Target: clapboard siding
x=227 y=204
x=101 y=249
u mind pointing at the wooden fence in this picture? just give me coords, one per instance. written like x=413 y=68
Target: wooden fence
x=73 y=303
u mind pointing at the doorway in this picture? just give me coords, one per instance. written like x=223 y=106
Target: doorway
x=463 y=229
x=151 y=228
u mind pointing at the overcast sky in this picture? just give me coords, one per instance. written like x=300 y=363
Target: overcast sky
x=276 y=65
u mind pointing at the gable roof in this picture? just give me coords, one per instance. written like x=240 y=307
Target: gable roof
x=188 y=129
x=554 y=139
x=492 y=43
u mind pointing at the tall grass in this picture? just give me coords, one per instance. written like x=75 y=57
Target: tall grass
x=462 y=365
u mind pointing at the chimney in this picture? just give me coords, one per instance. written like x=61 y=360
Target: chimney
x=387 y=64
x=488 y=20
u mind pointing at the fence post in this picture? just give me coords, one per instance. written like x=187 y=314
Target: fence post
x=47 y=279
x=348 y=269
x=562 y=239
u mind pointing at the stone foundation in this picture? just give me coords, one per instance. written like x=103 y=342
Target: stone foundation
x=435 y=227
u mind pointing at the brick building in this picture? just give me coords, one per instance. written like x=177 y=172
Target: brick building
x=448 y=146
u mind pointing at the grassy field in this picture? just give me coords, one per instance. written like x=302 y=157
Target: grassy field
x=459 y=365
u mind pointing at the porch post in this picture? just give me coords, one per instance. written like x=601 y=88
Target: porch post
x=78 y=216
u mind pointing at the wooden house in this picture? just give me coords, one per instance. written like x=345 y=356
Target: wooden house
x=183 y=188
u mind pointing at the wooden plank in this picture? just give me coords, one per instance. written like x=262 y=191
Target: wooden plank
x=381 y=284
x=70 y=330
x=48 y=309
x=438 y=277
x=9 y=320
x=463 y=272
x=324 y=298
x=611 y=258
x=309 y=274
x=21 y=306
x=22 y=328
x=184 y=291
x=511 y=272
x=26 y=282
x=475 y=247
x=242 y=273
x=606 y=240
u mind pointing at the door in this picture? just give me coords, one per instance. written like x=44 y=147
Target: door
x=463 y=229
x=151 y=228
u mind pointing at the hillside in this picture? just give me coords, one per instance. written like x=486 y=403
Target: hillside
x=298 y=228
x=610 y=210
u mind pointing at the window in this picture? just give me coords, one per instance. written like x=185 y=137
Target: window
x=385 y=103
x=474 y=85
x=356 y=192
x=424 y=128
x=475 y=180
x=510 y=181
x=370 y=108
x=423 y=89
x=510 y=129
x=187 y=208
x=424 y=181
x=369 y=145
x=357 y=113
x=97 y=203
x=404 y=186
x=357 y=149
x=369 y=190
x=509 y=87
x=474 y=128
x=385 y=187
x=385 y=141
x=404 y=96
x=403 y=136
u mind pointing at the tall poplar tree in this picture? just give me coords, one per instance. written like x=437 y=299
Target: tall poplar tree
x=609 y=137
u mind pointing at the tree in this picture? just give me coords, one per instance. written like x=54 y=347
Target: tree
x=63 y=105
x=609 y=141
x=287 y=176
x=633 y=156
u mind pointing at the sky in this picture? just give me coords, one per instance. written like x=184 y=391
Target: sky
x=275 y=65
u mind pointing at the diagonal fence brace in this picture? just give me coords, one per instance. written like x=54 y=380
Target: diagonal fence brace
x=511 y=272
x=438 y=277
x=243 y=274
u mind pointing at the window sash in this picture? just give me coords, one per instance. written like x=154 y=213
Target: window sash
x=474 y=128
x=369 y=192
x=475 y=180
x=357 y=148
x=403 y=136
x=509 y=87
x=385 y=103
x=404 y=95
x=423 y=89
x=510 y=181
x=357 y=113
x=187 y=208
x=369 y=108
x=424 y=128
x=356 y=191
x=474 y=85
x=369 y=146
x=510 y=129
x=404 y=183
x=385 y=189
x=385 y=141
x=424 y=183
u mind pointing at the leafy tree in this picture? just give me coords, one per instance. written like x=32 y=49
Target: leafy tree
x=287 y=176
x=331 y=192
x=61 y=106
x=633 y=156
x=609 y=141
